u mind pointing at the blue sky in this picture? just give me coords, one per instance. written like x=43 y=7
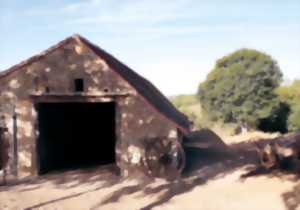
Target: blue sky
x=173 y=43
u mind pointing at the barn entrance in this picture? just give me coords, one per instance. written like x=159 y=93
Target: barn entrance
x=75 y=135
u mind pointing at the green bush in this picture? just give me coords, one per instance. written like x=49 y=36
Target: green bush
x=294 y=119
x=290 y=94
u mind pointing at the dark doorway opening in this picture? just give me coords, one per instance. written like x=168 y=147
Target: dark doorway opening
x=75 y=135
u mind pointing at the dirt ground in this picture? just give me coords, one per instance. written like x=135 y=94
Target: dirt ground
x=212 y=182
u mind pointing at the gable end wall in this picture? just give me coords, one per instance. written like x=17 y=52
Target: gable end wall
x=135 y=119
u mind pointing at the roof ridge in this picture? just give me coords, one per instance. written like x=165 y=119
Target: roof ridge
x=119 y=67
x=35 y=57
x=143 y=86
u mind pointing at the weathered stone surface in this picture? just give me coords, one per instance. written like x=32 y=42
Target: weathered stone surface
x=54 y=74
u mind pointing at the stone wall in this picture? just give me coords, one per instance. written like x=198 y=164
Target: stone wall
x=54 y=74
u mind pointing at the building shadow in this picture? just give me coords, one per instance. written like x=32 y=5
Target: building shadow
x=204 y=165
x=103 y=175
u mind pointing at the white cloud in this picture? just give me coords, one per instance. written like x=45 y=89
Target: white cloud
x=174 y=43
x=129 y=12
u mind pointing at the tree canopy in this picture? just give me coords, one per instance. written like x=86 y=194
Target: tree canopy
x=241 y=87
x=290 y=94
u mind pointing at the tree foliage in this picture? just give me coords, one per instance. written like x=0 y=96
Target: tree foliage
x=290 y=94
x=182 y=101
x=189 y=105
x=241 y=87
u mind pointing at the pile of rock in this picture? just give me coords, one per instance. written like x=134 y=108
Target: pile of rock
x=281 y=153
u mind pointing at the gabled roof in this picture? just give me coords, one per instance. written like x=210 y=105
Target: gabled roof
x=147 y=90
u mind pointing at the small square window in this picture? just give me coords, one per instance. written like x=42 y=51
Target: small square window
x=79 y=85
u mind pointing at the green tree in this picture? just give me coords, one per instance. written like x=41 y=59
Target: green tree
x=290 y=94
x=294 y=119
x=241 y=87
x=189 y=105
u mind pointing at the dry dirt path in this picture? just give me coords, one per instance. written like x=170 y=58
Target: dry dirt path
x=212 y=184
x=100 y=189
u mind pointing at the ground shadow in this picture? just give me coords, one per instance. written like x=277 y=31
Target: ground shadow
x=203 y=165
x=99 y=178
x=43 y=204
x=108 y=174
x=291 y=198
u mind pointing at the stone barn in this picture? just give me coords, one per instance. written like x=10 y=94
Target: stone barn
x=74 y=105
